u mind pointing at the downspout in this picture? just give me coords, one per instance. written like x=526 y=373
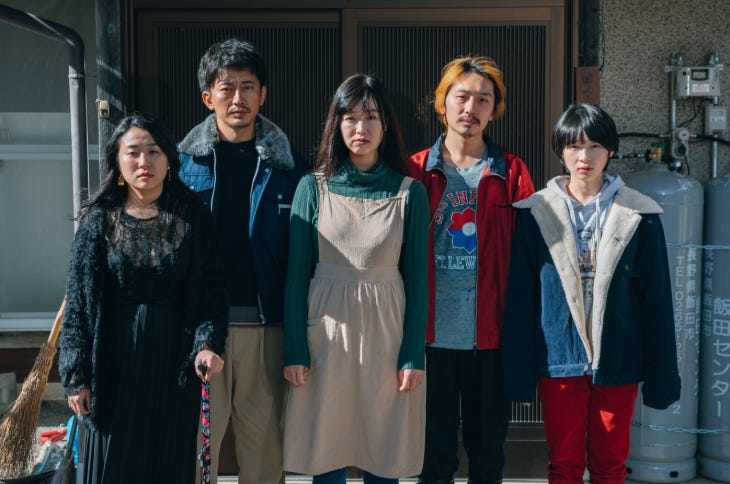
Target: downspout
x=77 y=90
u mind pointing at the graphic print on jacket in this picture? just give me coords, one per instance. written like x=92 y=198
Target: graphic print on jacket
x=455 y=244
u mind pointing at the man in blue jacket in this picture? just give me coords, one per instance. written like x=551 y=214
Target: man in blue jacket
x=244 y=168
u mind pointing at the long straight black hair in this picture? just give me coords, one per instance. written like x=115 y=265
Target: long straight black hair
x=109 y=195
x=370 y=92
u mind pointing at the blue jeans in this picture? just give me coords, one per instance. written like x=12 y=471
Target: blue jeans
x=340 y=476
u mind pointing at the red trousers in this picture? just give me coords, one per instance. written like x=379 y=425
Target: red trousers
x=586 y=424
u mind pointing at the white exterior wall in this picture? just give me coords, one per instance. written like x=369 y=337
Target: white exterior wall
x=36 y=202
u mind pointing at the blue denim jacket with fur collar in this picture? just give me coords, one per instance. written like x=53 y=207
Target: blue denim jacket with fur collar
x=278 y=171
x=631 y=337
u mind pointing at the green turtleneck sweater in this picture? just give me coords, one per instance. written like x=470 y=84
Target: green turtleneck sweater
x=377 y=183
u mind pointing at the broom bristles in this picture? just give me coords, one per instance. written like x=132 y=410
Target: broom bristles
x=18 y=427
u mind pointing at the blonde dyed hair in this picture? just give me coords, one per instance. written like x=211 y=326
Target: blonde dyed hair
x=484 y=66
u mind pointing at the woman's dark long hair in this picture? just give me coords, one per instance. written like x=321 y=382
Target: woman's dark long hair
x=110 y=196
x=370 y=92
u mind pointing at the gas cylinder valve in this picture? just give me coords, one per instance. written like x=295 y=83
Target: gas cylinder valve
x=679 y=146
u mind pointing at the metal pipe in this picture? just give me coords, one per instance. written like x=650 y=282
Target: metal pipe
x=676 y=60
x=713 y=155
x=672 y=102
x=77 y=90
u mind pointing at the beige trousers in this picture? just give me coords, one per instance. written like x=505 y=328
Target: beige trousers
x=250 y=394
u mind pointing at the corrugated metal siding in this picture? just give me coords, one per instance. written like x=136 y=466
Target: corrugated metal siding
x=409 y=60
x=527 y=414
x=303 y=64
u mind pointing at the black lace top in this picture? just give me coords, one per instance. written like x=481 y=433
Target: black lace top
x=119 y=261
x=148 y=258
x=146 y=242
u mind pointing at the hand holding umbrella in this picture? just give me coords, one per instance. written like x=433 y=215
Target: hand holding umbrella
x=207 y=364
x=204 y=455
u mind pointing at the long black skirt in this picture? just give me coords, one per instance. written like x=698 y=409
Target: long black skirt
x=151 y=422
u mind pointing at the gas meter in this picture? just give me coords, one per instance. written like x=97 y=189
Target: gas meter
x=698 y=81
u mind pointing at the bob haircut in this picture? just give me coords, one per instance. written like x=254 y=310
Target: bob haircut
x=485 y=67
x=234 y=54
x=365 y=89
x=581 y=121
x=109 y=195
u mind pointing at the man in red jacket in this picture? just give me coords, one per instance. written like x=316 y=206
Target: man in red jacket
x=471 y=185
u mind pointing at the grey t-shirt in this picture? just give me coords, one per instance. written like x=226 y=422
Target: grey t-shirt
x=455 y=248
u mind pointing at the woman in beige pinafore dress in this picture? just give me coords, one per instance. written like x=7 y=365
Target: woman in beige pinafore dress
x=357 y=300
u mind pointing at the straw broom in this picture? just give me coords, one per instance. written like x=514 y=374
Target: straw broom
x=18 y=427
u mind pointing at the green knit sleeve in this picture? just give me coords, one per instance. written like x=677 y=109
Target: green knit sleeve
x=302 y=260
x=413 y=258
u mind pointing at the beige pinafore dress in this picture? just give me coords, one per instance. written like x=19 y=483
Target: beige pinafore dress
x=350 y=412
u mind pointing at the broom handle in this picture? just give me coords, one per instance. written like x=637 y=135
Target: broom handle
x=56 y=328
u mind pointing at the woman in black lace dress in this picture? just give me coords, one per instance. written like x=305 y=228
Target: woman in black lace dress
x=144 y=308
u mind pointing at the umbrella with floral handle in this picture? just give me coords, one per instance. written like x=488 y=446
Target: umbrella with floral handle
x=204 y=455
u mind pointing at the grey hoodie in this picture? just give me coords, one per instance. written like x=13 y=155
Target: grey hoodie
x=588 y=222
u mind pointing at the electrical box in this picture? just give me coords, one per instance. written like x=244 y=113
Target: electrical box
x=715 y=119
x=698 y=81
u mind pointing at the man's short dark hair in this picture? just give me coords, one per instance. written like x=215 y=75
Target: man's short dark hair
x=232 y=53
